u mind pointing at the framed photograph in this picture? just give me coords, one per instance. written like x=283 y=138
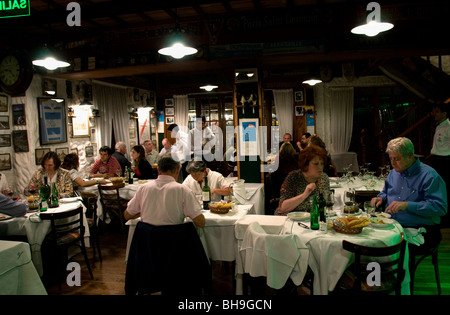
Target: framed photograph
x=39 y=154
x=3 y=103
x=248 y=137
x=168 y=102
x=191 y=103
x=299 y=111
x=5 y=140
x=18 y=112
x=298 y=96
x=170 y=120
x=89 y=151
x=48 y=87
x=5 y=161
x=170 y=111
x=20 y=140
x=52 y=120
x=80 y=122
x=4 y=122
x=62 y=152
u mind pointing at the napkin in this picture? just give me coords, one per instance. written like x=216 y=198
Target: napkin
x=414 y=236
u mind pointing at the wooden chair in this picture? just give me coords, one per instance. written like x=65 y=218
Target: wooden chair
x=354 y=280
x=90 y=202
x=67 y=230
x=112 y=203
x=416 y=259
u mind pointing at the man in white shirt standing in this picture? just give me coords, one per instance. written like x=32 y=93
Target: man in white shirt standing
x=164 y=201
x=203 y=140
x=182 y=148
x=440 y=152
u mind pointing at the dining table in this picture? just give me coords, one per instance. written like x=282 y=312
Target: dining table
x=217 y=236
x=35 y=228
x=254 y=194
x=18 y=275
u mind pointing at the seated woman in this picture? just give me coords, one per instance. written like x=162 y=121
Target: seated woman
x=300 y=185
x=50 y=168
x=71 y=163
x=142 y=169
x=196 y=180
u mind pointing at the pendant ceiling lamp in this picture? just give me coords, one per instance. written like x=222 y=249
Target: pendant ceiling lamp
x=374 y=25
x=49 y=59
x=209 y=87
x=177 y=47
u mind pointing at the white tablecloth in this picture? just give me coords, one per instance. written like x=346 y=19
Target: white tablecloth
x=18 y=276
x=36 y=229
x=255 y=194
x=217 y=236
x=327 y=258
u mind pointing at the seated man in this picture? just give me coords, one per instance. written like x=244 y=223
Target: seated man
x=175 y=201
x=119 y=155
x=106 y=166
x=196 y=180
x=11 y=207
x=414 y=193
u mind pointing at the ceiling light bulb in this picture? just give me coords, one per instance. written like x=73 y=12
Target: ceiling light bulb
x=177 y=51
x=312 y=82
x=209 y=87
x=372 y=28
x=50 y=63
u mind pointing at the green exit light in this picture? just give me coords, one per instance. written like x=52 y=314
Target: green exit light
x=14 y=8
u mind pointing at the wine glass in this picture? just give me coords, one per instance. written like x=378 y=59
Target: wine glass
x=369 y=208
x=329 y=199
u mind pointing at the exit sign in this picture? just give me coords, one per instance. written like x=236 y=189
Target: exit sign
x=13 y=8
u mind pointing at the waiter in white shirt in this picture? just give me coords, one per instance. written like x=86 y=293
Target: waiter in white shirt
x=440 y=152
x=182 y=150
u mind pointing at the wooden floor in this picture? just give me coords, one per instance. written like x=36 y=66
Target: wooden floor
x=109 y=276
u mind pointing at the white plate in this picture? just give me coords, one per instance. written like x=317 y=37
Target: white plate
x=381 y=223
x=70 y=199
x=383 y=215
x=298 y=216
x=331 y=213
x=4 y=217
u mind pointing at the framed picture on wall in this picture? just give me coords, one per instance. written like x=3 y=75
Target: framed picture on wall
x=5 y=161
x=248 y=137
x=80 y=122
x=62 y=152
x=20 y=140
x=298 y=96
x=89 y=151
x=5 y=140
x=4 y=122
x=170 y=120
x=168 y=102
x=52 y=120
x=18 y=112
x=39 y=154
x=170 y=111
x=3 y=103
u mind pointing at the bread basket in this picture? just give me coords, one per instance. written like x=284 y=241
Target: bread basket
x=116 y=180
x=342 y=225
x=220 y=208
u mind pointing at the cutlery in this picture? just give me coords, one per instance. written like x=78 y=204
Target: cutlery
x=303 y=225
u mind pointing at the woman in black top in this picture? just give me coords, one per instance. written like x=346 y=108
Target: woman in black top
x=142 y=169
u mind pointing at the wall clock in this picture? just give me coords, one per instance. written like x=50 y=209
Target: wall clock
x=16 y=72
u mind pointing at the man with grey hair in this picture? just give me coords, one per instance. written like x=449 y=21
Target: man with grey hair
x=414 y=193
x=174 y=201
x=119 y=154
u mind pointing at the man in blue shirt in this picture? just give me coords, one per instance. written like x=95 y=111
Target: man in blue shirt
x=413 y=192
x=11 y=207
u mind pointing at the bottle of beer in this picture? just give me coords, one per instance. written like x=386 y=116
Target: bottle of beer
x=206 y=192
x=44 y=193
x=314 y=215
x=54 y=200
x=321 y=204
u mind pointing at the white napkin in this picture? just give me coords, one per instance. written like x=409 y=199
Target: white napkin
x=414 y=236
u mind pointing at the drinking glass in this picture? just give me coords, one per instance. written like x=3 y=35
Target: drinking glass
x=369 y=208
x=329 y=199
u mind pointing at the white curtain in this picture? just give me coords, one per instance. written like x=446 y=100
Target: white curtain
x=181 y=111
x=113 y=110
x=341 y=118
x=284 y=107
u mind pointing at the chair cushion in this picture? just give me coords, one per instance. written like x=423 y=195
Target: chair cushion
x=347 y=280
x=67 y=238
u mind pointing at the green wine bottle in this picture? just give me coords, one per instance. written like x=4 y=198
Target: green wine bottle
x=54 y=200
x=44 y=193
x=321 y=204
x=314 y=215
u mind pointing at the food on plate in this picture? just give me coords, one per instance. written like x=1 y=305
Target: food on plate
x=142 y=181
x=30 y=199
x=380 y=221
x=383 y=215
x=116 y=180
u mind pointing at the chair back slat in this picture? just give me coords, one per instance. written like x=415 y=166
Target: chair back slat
x=65 y=222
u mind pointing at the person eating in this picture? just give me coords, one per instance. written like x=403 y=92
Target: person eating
x=106 y=166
